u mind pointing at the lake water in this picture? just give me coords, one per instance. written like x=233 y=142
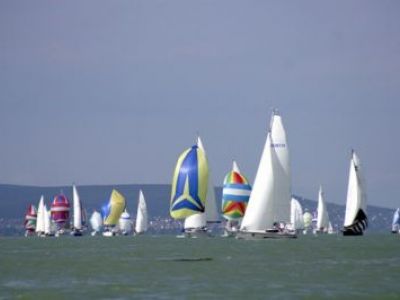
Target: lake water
x=165 y=267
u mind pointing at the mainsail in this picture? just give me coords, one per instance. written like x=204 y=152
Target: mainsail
x=296 y=215
x=40 y=217
x=322 y=212
x=355 y=221
x=141 y=215
x=211 y=211
x=235 y=194
x=189 y=184
x=77 y=209
x=396 y=221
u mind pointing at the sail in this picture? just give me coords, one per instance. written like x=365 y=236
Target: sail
x=322 y=212
x=355 y=221
x=189 y=184
x=96 y=221
x=125 y=222
x=396 y=221
x=30 y=218
x=211 y=210
x=196 y=221
x=235 y=194
x=77 y=209
x=141 y=216
x=47 y=221
x=307 y=219
x=60 y=210
x=282 y=182
x=260 y=209
x=296 y=215
x=114 y=208
x=40 y=216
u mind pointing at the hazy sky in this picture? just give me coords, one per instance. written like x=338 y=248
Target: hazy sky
x=96 y=92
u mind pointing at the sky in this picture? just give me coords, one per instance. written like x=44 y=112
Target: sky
x=111 y=92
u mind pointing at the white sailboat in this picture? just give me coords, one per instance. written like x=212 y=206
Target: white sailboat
x=96 y=222
x=355 y=220
x=307 y=219
x=268 y=211
x=142 y=222
x=125 y=223
x=396 y=221
x=77 y=205
x=296 y=215
x=322 y=214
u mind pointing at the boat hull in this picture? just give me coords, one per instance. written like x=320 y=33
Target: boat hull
x=352 y=233
x=196 y=233
x=76 y=233
x=257 y=235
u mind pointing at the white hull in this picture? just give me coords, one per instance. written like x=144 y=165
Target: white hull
x=196 y=233
x=268 y=234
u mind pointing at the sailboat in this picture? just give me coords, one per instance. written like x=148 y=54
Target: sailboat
x=30 y=220
x=96 y=222
x=111 y=213
x=268 y=211
x=189 y=190
x=78 y=213
x=125 y=223
x=142 y=222
x=48 y=230
x=296 y=215
x=60 y=213
x=40 y=217
x=322 y=214
x=396 y=221
x=355 y=220
x=235 y=196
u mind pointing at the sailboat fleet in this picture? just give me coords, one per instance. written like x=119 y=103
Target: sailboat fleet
x=263 y=210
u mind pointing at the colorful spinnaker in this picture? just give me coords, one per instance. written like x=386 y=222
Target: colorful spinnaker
x=112 y=211
x=235 y=194
x=189 y=184
x=30 y=220
x=60 y=211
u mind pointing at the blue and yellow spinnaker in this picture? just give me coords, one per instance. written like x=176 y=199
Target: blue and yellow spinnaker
x=189 y=184
x=113 y=209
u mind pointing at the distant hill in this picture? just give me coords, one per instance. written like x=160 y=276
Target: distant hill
x=14 y=200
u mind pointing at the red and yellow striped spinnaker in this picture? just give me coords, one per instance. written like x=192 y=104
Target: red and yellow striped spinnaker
x=235 y=195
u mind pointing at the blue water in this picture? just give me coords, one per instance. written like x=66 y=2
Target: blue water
x=164 y=267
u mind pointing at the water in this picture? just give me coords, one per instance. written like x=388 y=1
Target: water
x=165 y=267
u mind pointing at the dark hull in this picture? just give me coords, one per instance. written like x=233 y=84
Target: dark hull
x=352 y=233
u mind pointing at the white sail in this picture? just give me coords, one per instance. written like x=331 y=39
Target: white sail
x=260 y=209
x=47 y=221
x=322 y=212
x=396 y=221
x=125 y=223
x=356 y=198
x=296 y=215
x=141 y=215
x=235 y=167
x=211 y=210
x=307 y=219
x=196 y=221
x=77 y=209
x=40 y=216
x=96 y=221
x=282 y=181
